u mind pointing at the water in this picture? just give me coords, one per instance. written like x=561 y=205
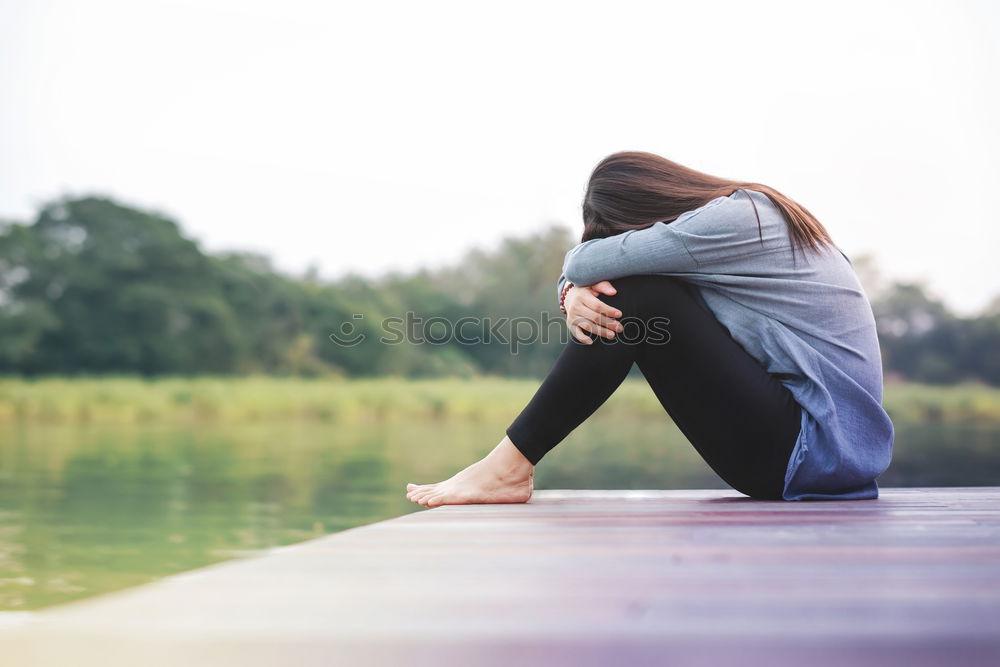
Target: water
x=86 y=510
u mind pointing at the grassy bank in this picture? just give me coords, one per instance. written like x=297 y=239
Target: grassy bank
x=134 y=400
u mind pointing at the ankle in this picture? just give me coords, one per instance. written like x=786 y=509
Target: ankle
x=514 y=473
x=508 y=459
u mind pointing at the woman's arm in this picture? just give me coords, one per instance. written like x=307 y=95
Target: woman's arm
x=590 y=266
x=718 y=237
x=655 y=249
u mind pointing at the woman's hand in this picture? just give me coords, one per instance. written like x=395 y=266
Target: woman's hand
x=585 y=312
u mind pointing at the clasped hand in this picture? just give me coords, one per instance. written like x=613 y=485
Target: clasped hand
x=585 y=312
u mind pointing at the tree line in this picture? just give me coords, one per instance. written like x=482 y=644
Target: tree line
x=93 y=286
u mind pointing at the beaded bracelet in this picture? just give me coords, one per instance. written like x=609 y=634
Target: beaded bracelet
x=562 y=297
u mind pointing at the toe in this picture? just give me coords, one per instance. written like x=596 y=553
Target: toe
x=411 y=486
x=442 y=497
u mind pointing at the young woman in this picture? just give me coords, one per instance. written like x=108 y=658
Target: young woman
x=745 y=318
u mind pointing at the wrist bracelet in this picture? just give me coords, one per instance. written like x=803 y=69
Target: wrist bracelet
x=562 y=297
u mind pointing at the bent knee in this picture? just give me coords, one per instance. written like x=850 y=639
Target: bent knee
x=632 y=291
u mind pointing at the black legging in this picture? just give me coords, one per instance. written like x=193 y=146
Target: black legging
x=739 y=417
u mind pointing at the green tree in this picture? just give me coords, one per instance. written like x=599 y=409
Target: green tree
x=96 y=287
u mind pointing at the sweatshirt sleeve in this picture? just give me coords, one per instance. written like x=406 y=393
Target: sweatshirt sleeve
x=655 y=249
x=719 y=237
x=559 y=286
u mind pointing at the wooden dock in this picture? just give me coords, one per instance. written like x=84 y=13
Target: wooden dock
x=704 y=578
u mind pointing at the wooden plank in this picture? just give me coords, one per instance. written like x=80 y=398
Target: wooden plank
x=578 y=578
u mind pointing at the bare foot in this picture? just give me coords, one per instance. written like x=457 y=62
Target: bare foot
x=503 y=476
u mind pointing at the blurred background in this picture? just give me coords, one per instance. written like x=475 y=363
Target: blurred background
x=194 y=196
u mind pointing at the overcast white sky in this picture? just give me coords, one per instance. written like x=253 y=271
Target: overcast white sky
x=374 y=136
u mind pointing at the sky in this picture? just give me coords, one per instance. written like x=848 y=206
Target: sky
x=374 y=137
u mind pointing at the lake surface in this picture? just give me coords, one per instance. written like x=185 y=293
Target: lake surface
x=91 y=509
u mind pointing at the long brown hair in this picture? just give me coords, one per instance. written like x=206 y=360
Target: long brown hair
x=633 y=190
